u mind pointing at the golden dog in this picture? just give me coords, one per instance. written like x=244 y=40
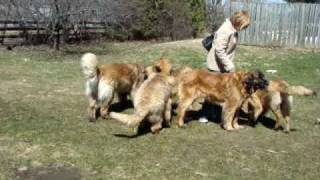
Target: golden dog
x=104 y=81
x=152 y=101
x=229 y=90
x=277 y=98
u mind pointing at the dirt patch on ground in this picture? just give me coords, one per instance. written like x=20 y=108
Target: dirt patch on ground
x=52 y=172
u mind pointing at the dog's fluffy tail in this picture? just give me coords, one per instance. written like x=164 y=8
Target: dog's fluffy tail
x=131 y=120
x=89 y=64
x=301 y=91
x=285 y=87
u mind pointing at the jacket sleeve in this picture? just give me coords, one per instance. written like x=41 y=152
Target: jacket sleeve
x=221 y=43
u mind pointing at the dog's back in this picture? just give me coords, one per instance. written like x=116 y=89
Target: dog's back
x=121 y=76
x=151 y=101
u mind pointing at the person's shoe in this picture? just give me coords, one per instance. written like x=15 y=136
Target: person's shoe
x=203 y=120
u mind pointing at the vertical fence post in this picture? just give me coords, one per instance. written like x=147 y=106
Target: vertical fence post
x=301 y=30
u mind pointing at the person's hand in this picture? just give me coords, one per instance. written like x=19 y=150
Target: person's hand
x=229 y=67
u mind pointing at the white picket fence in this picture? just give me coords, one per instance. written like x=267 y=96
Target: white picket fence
x=284 y=25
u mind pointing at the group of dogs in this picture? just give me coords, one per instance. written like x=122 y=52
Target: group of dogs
x=153 y=90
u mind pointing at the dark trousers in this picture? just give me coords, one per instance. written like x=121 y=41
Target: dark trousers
x=211 y=111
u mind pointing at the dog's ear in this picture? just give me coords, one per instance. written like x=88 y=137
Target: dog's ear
x=157 y=68
x=148 y=71
x=262 y=82
x=248 y=79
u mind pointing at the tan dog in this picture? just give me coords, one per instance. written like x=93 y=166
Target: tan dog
x=104 y=81
x=163 y=66
x=226 y=89
x=152 y=102
x=277 y=98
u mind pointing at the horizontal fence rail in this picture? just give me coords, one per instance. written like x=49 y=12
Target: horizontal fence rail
x=29 y=32
x=283 y=25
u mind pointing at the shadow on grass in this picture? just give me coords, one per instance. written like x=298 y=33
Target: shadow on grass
x=121 y=106
x=264 y=120
x=212 y=112
x=143 y=129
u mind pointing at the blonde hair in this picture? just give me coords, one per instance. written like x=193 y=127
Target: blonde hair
x=240 y=20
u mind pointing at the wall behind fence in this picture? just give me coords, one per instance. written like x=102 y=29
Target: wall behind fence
x=284 y=25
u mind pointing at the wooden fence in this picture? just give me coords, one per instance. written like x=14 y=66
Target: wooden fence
x=284 y=25
x=33 y=32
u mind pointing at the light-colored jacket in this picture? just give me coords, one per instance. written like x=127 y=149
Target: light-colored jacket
x=221 y=55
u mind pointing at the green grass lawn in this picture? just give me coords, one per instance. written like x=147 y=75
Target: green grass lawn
x=43 y=120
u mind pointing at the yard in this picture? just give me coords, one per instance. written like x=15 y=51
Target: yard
x=43 y=125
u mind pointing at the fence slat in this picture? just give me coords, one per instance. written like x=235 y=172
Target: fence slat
x=287 y=25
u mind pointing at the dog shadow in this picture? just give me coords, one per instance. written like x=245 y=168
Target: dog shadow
x=265 y=121
x=212 y=112
x=116 y=107
x=120 y=106
x=143 y=129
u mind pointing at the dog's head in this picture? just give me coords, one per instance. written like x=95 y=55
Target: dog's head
x=255 y=80
x=163 y=66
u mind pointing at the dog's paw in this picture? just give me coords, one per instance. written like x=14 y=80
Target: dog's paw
x=92 y=119
x=228 y=128
x=237 y=127
x=182 y=126
x=155 y=132
x=286 y=131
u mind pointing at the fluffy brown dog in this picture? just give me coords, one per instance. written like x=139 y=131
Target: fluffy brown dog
x=226 y=89
x=277 y=98
x=104 y=81
x=163 y=66
x=152 y=102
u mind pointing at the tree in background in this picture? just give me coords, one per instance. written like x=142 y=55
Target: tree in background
x=121 y=19
x=169 y=18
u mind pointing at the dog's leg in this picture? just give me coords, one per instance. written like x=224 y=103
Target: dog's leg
x=104 y=110
x=278 y=116
x=92 y=109
x=285 y=111
x=105 y=97
x=91 y=92
x=235 y=120
x=228 y=113
x=156 y=124
x=287 y=124
x=167 y=113
x=182 y=108
x=255 y=108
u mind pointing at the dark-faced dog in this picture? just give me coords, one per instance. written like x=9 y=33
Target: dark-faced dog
x=229 y=90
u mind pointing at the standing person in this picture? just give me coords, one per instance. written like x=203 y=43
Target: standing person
x=221 y=55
